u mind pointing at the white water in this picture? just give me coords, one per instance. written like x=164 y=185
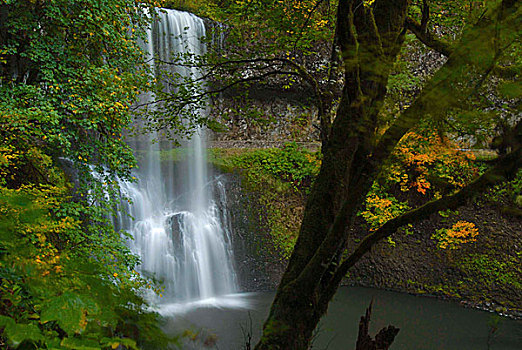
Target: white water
x=179 y=227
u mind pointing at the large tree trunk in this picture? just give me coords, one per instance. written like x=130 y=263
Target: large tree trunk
x=370 y=40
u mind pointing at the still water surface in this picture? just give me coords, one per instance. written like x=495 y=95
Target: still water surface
x=425 y=323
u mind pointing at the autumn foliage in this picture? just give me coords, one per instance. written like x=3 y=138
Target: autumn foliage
x=427 y=159
x=451 y=238
x=425 y=165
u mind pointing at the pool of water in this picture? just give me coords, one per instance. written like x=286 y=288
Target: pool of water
x=425 y=323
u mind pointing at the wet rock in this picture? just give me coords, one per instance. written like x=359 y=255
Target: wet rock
x=258 y=267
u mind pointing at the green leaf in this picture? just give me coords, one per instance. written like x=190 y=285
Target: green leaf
x=17 y=333
x=22 y=332
x=80 y=344
x=6 y=321
x=114 y=342
x=70 y=311
x=52 y=341
x=216 y=126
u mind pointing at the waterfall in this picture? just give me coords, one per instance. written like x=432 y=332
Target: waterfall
x=179 y=225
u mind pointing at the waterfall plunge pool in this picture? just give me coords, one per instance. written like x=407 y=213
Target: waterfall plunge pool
x=425 y=323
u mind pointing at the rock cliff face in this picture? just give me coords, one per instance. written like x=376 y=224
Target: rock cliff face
x=258 y=265
x=268 y=115
x=485 y=273
x=268 y=110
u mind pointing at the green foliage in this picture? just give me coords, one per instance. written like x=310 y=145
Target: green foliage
x=507 y=193
x=18 y=333
x=78 y=69
x=199 y=7
x=69 y=71
x=54 y=299
x=278 y=26
x=491 y=270
x=290 y=164
x=510 y=90
x=70 y=311
x=452 y=238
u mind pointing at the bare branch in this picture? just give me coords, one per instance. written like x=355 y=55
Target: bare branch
x=446 y=49
x=212 y=68
x=185 y=101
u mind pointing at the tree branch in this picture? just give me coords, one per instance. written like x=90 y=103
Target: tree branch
x=280 y=63
x=446 y=49
x=307 y=20
x=505 y=168
x=197 y=97
x=425 y=16
x=301 y=70
x=428 y=38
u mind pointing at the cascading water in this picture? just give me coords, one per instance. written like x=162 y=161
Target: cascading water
x=179 y=230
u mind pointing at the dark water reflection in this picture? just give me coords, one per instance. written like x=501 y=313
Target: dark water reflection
x=425 y=323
